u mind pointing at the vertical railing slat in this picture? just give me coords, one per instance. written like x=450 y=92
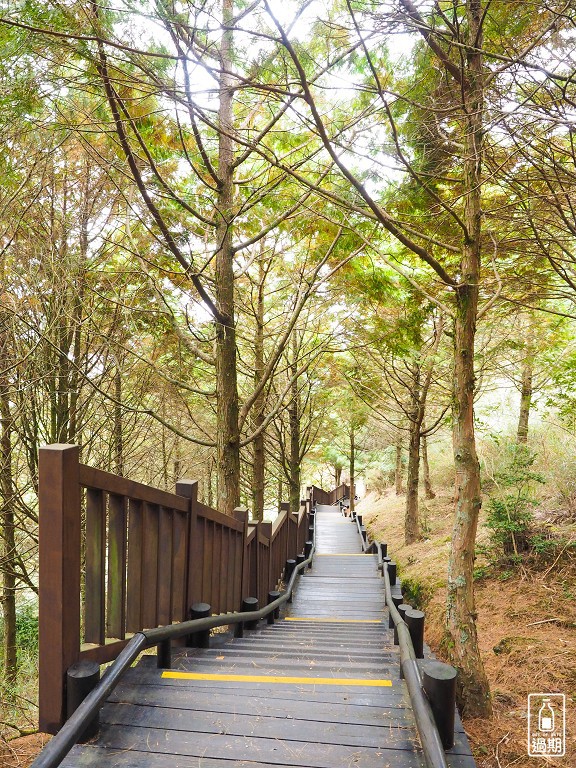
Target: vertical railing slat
x=265 y=578
x=235 y=571
x=134 y=596
x=180 y=565
x=165 y=563
x=95 y=581
x=116 y=590
x=218 y=532
x=224 y=564
x=240 y=575
x=207 y=549
x=149 y=565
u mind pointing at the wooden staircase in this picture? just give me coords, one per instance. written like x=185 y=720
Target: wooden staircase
x=319 y=688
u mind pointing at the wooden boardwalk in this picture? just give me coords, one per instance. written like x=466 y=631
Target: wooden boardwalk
x=318 y=689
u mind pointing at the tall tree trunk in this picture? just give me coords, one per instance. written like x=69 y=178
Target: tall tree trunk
x=118 y=438
x=280 y=491
x=473 y=688
x=7 y=522
x=428 y=491
x=398 y=469
x=258 y=447
x=228 y=437
x=78 y=309
x=294 y=421
x=526 y=389
x=210 y=482
x=337 y=476
x=352 y=468
x=412 y=515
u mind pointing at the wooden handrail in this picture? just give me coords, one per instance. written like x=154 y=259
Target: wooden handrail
x=119 y=557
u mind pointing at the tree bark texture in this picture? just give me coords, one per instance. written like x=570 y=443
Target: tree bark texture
x=258 y=448
x=7 y=520
x=294 y=422
x=118 y=429
x=228 y=437
x=337 y=476
x=428 y=490
x=412 y=518
x=398 y=469
x=526 y=387
x=473 y=688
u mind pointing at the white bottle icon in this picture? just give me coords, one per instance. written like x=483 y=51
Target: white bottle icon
x=546 y=717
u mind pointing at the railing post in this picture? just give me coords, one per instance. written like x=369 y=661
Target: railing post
x=189 y=489
x=397 y=600
x=199 y=639
x=242 y=514
x=164 y=655
x=248 y=604
x=288 y=571
x=273 y=595
x=59 y=581
x=439 y=683
x=415 y=621
x=402 y=608
x=265 y=563
x=81 y=679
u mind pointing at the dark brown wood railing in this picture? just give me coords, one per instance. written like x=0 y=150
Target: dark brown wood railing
x=117 y=557
x=319 y=496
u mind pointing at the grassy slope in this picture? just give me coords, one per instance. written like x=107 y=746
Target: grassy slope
x=521 y=656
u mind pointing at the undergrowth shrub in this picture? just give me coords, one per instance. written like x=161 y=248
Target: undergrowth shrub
x=417 y=593
x=510 y=508
x=27 y=629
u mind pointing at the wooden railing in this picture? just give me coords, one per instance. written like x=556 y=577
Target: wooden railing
x=117 y=557
x=319 y=496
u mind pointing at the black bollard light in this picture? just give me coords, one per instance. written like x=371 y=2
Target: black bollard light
x=397 y=600
x=250 y=604
x=308 y=551
x=199 y=639
x=402 y=608
x=289 y=570
x=415 y=621
x=439 y=683
x=81 y=678
x=276 y=612
x=164 y=654
x=247 y=605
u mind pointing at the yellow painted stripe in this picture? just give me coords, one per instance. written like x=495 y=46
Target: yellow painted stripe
x=276 y=679
x=337 y=621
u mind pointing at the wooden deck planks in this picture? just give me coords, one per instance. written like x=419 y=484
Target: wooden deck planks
x=151 y=721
